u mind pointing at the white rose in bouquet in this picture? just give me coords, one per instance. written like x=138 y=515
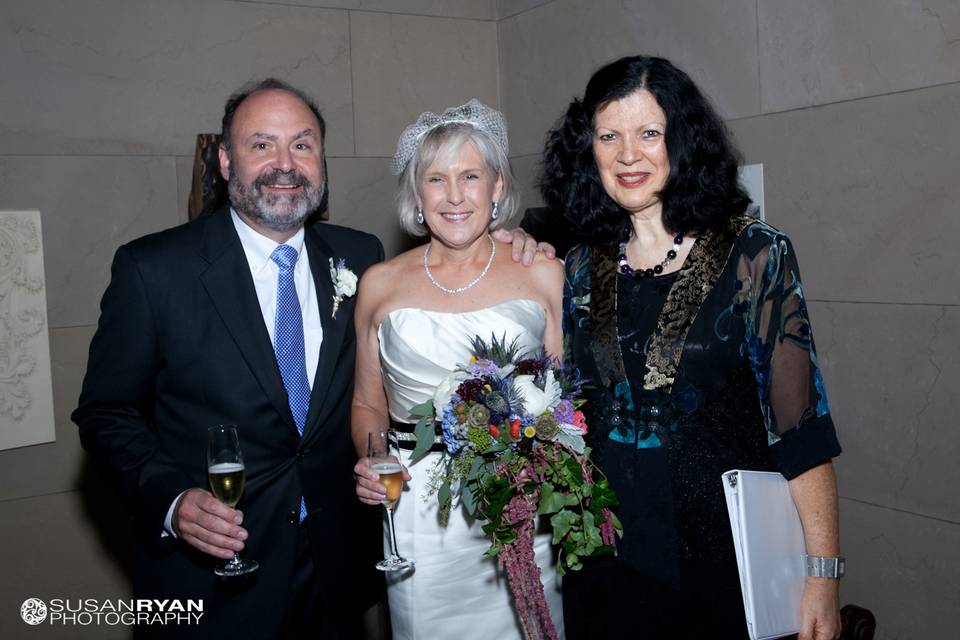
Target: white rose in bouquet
x=445 y=390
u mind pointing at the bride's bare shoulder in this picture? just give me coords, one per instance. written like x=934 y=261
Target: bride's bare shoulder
x=545 y=273
x=383 y=283
x=384 y=273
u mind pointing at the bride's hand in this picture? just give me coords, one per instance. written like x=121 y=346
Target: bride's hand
x=369 y=489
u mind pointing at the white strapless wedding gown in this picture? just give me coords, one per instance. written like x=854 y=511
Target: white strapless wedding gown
x=455 y=591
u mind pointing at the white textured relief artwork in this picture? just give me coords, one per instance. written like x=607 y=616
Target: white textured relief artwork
x=26 y=390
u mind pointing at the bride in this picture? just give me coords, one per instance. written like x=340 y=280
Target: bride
x=415 y=317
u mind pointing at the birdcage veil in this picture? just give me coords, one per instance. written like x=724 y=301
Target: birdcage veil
x=474 y=113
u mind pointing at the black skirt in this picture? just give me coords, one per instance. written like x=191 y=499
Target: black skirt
x=609 y=599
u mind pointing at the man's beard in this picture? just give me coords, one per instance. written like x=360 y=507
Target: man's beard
x=276 y=211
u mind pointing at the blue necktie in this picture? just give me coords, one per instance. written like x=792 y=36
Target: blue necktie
x=288 y=343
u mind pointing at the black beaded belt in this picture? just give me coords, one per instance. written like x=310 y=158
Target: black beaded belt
x=402 y=434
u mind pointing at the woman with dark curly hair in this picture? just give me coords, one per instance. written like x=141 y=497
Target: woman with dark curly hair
x=689 y=317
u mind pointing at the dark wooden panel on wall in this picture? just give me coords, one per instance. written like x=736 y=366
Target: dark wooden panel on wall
x=208 y=191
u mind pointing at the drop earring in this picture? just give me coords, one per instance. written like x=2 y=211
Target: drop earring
x=419 y=215
x=495 y=212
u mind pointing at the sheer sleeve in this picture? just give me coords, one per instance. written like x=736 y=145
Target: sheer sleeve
x=575 y=297
x=779 y=342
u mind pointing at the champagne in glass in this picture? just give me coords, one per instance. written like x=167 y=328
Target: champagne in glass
x=391 y=477
x=386 y=463
x=225 y=471
x=226 y=482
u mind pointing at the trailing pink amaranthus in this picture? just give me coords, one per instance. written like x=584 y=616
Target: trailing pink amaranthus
x=523 y=572
x=608 y=531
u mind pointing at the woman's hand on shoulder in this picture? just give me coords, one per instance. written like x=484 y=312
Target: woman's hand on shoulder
x=524 y=247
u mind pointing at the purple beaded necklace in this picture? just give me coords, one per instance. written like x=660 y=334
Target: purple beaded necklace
x=655 y=270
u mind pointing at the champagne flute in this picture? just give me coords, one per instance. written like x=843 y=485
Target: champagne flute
x=225 y=472
x=388 y=466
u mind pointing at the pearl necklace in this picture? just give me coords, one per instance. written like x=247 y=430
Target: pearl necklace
x=656 y=270
x=426 y=267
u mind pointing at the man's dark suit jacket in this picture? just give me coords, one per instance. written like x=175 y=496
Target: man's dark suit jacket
x=181 y=346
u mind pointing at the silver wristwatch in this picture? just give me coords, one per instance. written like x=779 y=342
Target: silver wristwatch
x=820 y=567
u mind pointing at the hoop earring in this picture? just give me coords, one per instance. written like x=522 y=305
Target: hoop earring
x=495 y=212
x=419 y=215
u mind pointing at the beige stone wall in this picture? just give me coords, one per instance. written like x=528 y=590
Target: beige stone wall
x=852 y=109
x=850 y=106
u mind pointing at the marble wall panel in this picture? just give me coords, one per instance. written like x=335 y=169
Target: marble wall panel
x=891 y=373
x=823 y=51
x=507 y=8
x=54 y=467
x=868 y=192
x=89 y=206
x=145 y=76
x=405 y=65
x=51 y=548
x=526 y=170
x=903 y=568
x=547 y=54
x=361 y=197
x=476 y=9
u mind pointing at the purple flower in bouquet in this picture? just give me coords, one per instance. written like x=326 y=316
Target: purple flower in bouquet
x=563 y=412
x=529 y=366
x=482 y=366
x=471 y=390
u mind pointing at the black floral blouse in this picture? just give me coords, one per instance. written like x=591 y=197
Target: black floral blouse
x=692 y=374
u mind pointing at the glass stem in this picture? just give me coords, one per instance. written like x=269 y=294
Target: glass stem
x=393 y=535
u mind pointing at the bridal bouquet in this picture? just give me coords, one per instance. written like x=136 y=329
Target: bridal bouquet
x=514 y=449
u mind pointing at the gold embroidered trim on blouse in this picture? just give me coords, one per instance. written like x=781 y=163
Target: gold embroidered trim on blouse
x=604 y=339
x=695 y=281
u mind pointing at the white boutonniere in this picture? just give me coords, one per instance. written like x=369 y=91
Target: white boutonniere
x=344 y=283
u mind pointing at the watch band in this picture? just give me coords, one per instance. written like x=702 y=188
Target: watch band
x=821 y=567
